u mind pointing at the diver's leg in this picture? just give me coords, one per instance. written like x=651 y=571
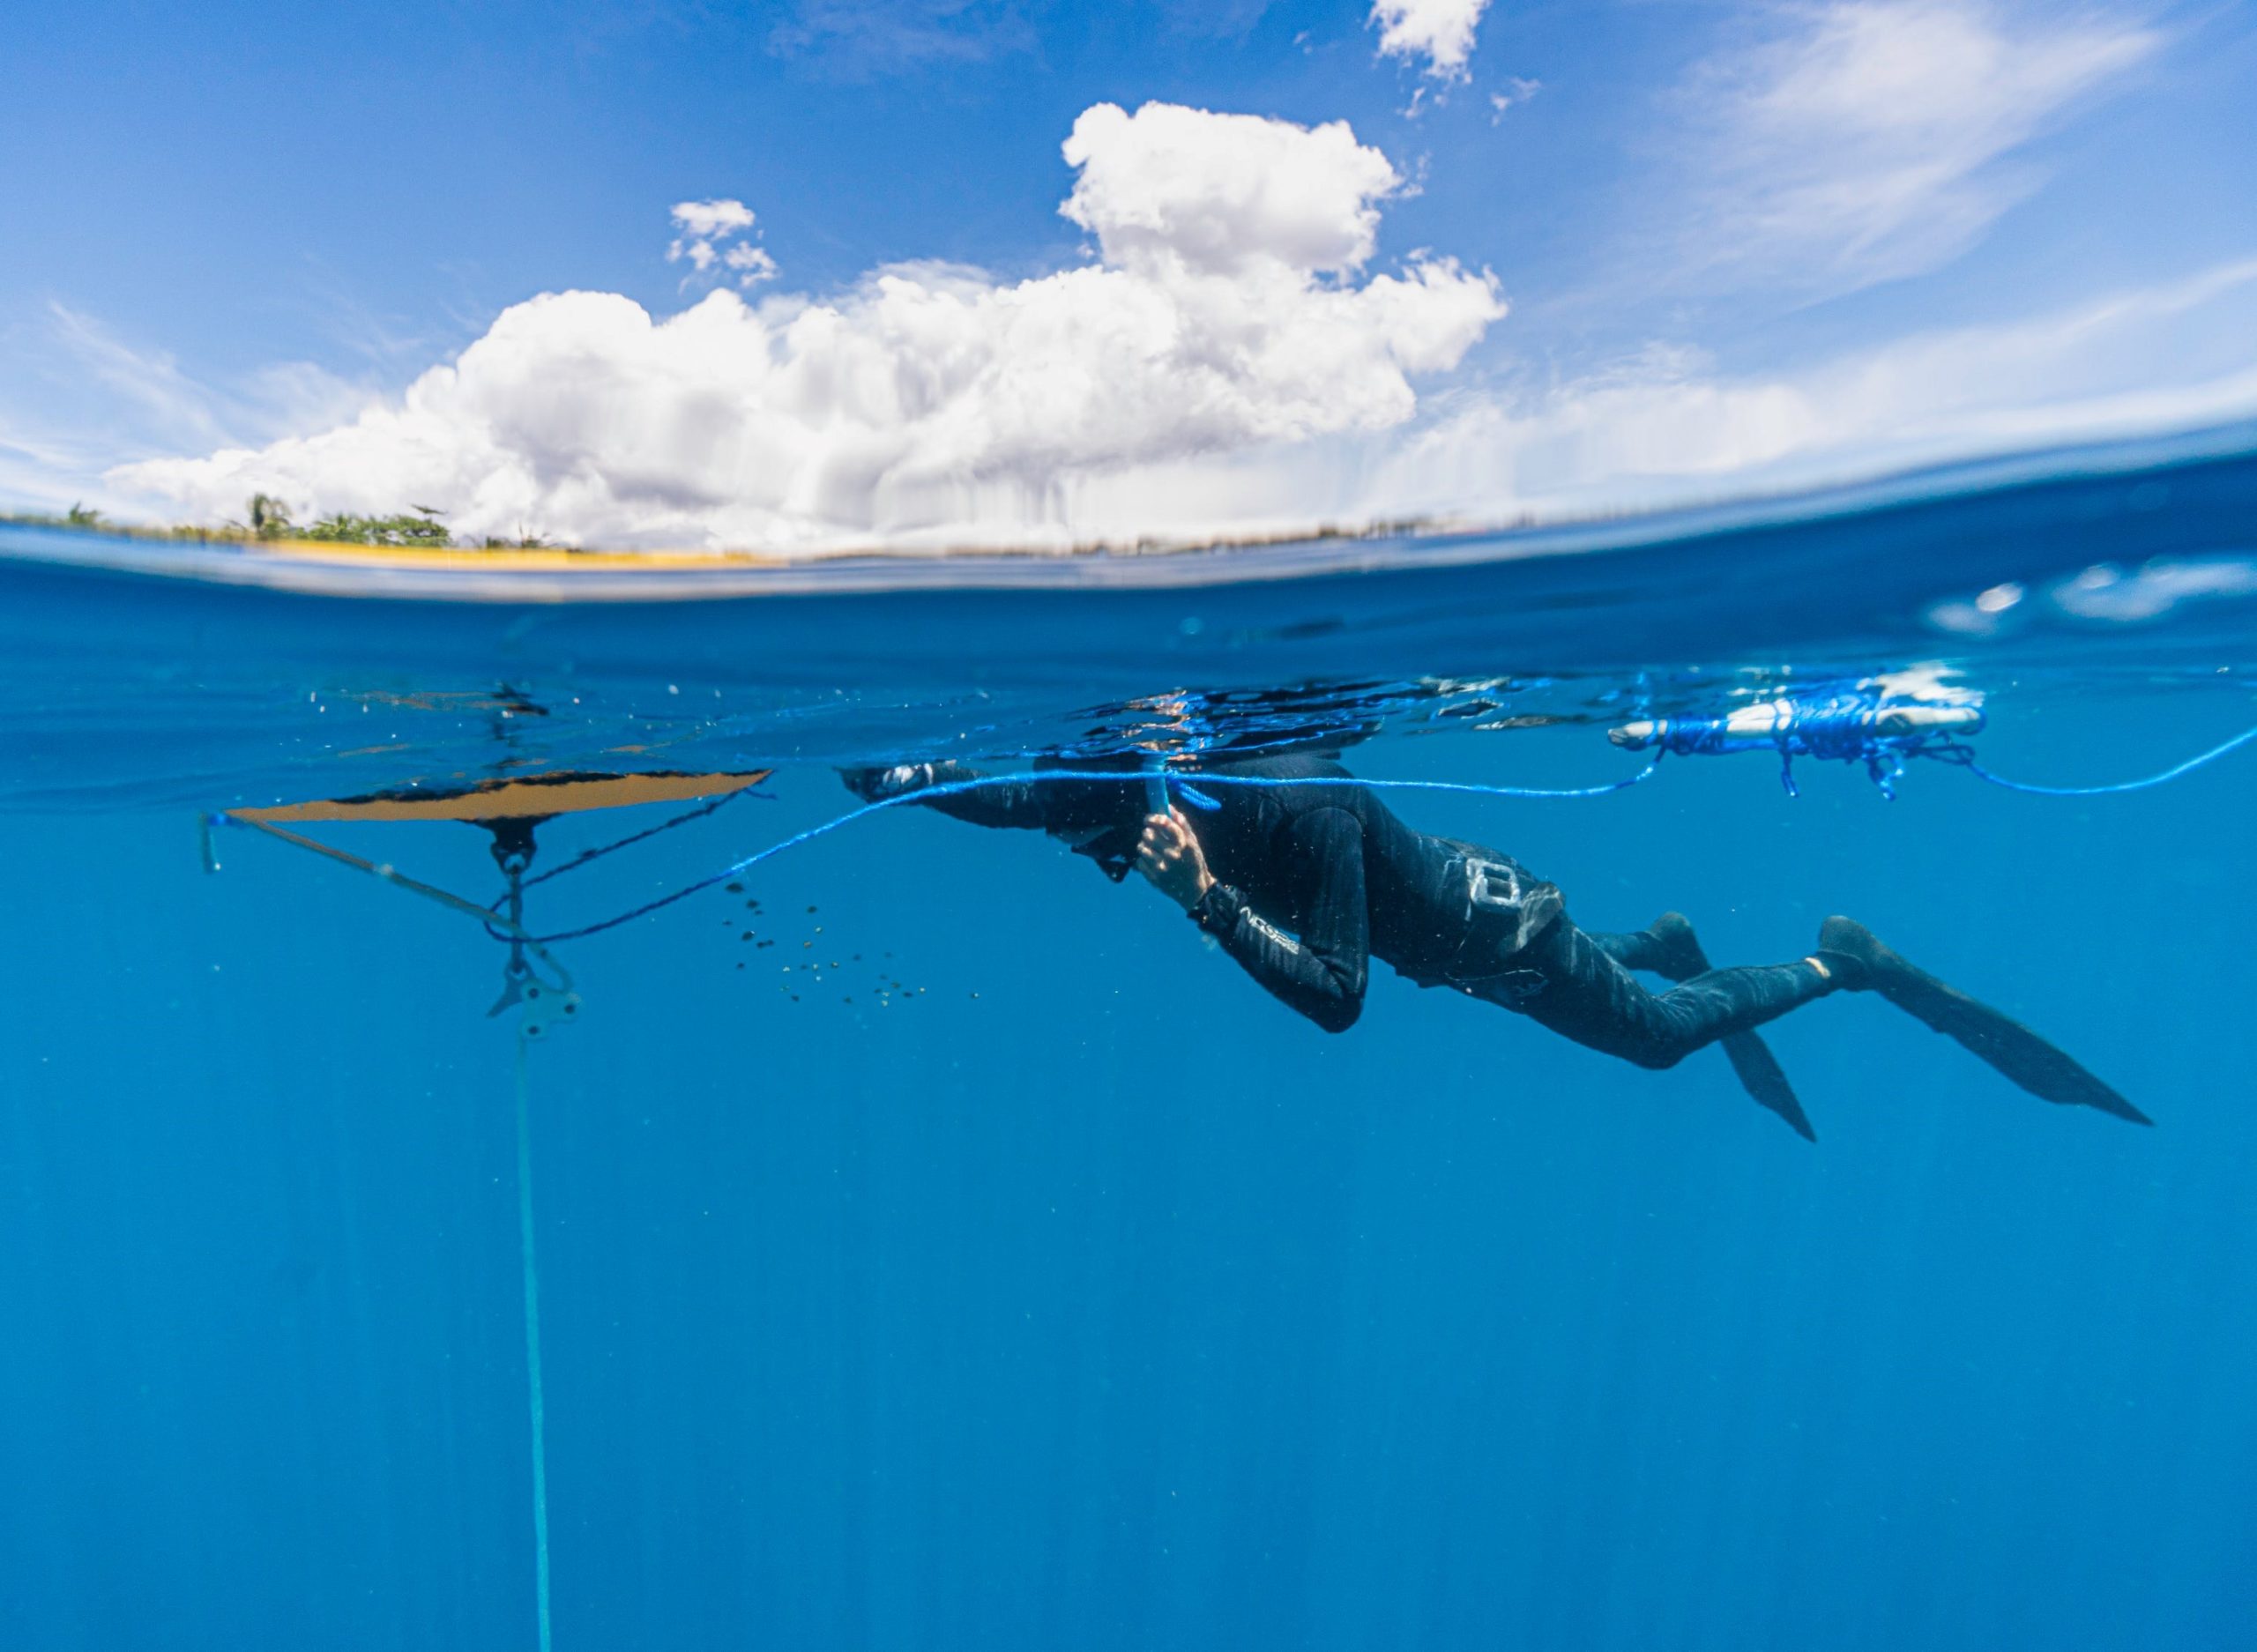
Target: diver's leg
x=1665 y=947
x=1864 y=964
x=1585 y=995
x=1668 y=948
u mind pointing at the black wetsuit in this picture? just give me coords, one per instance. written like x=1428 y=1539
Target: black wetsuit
x=1313 y=881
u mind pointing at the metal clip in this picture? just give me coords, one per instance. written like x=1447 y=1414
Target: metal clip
x=541 y=1006
x=545 y=1007
x=1493 y=886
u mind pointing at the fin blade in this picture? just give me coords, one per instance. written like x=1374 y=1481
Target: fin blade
x=1681 y=957
x=2029 y=1060
x=1764 y=1080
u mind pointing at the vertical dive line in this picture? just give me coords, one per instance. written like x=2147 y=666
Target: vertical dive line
x=535 y=1406
x=1157 y=801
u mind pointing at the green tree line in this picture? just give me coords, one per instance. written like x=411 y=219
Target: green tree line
x=270 y=519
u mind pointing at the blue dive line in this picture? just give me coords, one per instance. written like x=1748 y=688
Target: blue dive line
x=2171 y=773
x=1877 y=747
x=1143 y=777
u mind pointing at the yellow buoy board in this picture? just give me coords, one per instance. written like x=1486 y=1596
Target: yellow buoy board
x=529 y=797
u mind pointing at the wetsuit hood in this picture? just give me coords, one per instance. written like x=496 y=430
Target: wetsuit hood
x=1102 y=820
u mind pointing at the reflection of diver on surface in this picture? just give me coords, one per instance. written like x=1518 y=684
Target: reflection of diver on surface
x=1303 y=884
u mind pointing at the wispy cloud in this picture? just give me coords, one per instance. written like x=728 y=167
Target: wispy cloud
x=1664 y=425
x=383 y=342
x=148 y=385
x=859 y=38
x=1515 y=91
x=47 y=470
x=1861 y=140
x=77 y=399
x=1214 y=19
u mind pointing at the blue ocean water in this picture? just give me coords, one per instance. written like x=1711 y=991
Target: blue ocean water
x=987 y=1263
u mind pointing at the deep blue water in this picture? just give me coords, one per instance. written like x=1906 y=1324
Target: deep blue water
x=1074 y=1294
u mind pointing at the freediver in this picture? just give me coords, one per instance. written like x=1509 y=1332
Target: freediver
x=1303 y=884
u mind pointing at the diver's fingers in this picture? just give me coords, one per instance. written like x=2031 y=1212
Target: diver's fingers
x=1186 y=840
x=1166 y=832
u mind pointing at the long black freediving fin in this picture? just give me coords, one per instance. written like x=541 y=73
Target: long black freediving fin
x=1758 y=1071
x=2038 y=1066
x=1762 y=1077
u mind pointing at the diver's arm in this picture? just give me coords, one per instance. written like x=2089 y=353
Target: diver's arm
x=1321 y=972
x=1015 y=803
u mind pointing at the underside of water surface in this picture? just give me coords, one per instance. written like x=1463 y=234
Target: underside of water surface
x=942 y=1245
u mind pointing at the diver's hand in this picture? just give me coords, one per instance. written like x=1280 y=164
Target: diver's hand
x=1169 y=855
x=875 y=785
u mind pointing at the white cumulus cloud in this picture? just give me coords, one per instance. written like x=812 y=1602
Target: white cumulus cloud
x=708 y=218
x=1228 y=307
x=1440 y=30
x=1170 y=188
x=749 y=263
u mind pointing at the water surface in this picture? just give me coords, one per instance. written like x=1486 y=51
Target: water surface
x=1010 y=1270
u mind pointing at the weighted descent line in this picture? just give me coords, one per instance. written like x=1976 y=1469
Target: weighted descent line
x=536 y=1405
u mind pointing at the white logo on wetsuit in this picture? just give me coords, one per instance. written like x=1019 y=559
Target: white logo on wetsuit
x=1271 y=930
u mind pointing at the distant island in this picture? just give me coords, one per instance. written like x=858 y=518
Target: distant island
x=267 y=519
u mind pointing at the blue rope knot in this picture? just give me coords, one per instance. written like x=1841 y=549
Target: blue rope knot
x=1854 y=727
x=1167 y=786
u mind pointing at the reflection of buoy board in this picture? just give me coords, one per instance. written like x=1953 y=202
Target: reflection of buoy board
x=508 y=810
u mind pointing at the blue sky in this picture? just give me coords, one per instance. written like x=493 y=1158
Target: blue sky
x=1559 y=257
